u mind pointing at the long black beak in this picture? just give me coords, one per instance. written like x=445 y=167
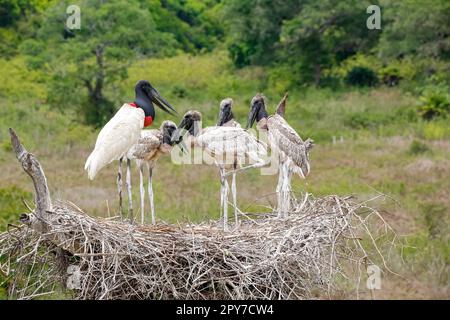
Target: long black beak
x=220 y=119
x=161 y=102
x=224 y=115
x=252 y=115
x=177 y=137
x=178 y=141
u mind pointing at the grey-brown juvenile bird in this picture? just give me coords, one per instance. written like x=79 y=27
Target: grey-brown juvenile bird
x=293 y=152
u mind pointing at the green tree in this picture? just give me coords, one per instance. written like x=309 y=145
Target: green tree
x=255 y=27
x=308 y=36
x=94 y=58
x=12 y=11
x=194 y=23
x=416 y=28
x=9 y=12
x=323 y=34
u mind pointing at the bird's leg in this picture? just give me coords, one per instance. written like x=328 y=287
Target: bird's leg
x=288 y=190
x=283 y=192
x=279 y=189
x=130 y=195
x=223 y=198
x=221 y=193
x=287 y=198
x=150 y=193
x=142 y=191
x=119 y=186
x=225 y=204
x=233 y=192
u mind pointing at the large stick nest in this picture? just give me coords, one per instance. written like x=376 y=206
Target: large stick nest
x=300 y=257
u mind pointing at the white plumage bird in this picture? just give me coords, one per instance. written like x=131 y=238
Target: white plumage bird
x=123 y=131
x=293 y=152
x=228 y=146
x=115 y=139
x=226 y=119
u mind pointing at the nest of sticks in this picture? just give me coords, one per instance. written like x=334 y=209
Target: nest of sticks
x=300 y=257
x=59 y=248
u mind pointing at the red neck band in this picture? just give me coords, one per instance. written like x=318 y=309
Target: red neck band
x=148 y=120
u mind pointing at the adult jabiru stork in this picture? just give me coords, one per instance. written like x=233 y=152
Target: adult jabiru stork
x=293 y=152
x=227 y=146
x=150 y=147
x=123 y=131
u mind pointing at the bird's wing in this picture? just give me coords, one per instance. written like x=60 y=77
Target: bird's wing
x=147 y=144
x=231 y=141
x=285 y=139
x=101 y=136
x=119 y=115
x=115 y=139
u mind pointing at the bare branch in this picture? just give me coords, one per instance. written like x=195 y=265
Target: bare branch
x=33 y=168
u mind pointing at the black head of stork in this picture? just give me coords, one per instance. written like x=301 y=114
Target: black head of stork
x=257 y=110
x=168 y=128
x=146 y=95
x=189 y=120
x=225 y=113
x=188 y=123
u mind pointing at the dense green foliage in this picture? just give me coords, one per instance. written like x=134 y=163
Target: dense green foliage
x=84 y=66
x=308 y=39
x=435 y=103
x=299 y=43
x=96 y=56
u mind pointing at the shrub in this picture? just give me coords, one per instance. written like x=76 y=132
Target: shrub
x=15 y=78
x=397 y=70
x=361 y=77
x=390 y=76
x=435 y=103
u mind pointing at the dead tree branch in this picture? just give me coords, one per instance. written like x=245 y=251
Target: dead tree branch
x=33 y=168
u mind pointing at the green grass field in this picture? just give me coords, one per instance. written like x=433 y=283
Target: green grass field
x=381 y=146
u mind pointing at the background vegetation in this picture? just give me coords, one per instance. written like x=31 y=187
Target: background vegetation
x=376 y=102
